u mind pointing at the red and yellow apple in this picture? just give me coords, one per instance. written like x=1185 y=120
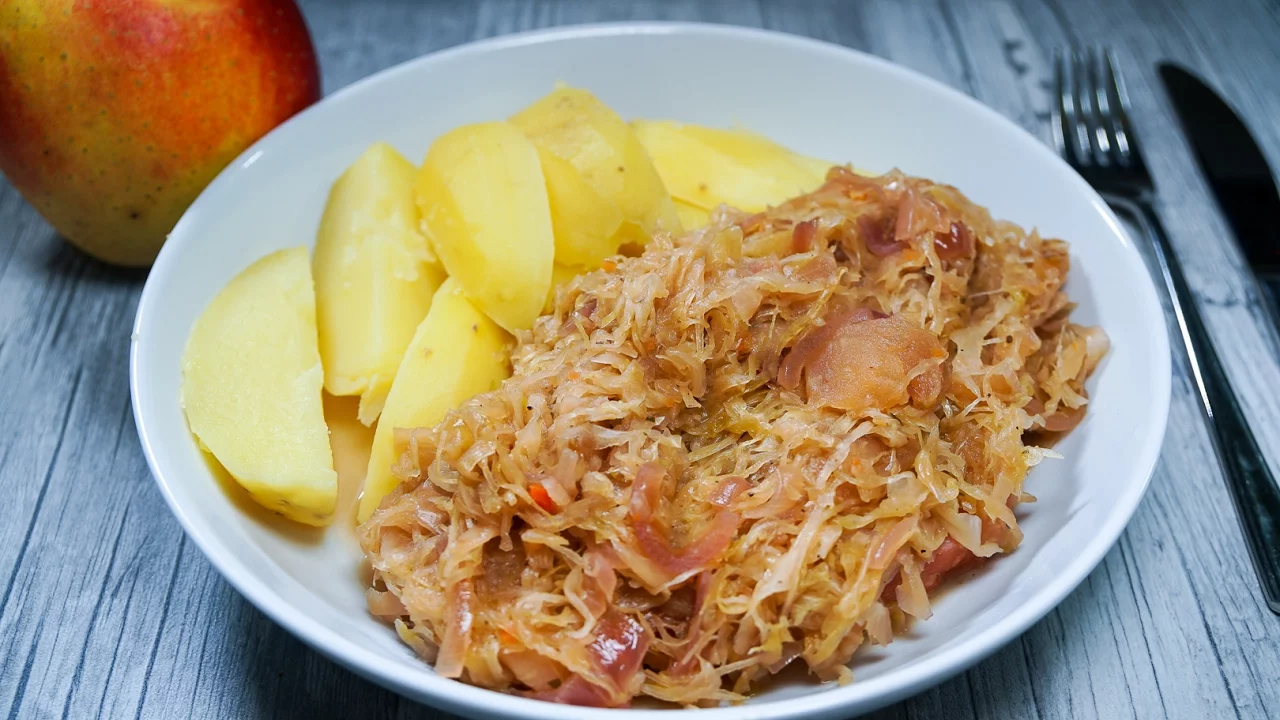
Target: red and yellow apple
x=114 y=115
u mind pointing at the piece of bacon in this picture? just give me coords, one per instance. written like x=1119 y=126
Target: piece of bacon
x=1064 y=419
x=576 y=691
x=874 y=231
x=956 y=244
x=816 y=340
x=655 y=546
x=802 y=236
x=859 y=360
x=617 y=651
x=949 y=557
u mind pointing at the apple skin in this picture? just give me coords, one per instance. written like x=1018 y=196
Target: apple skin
x=115 y=114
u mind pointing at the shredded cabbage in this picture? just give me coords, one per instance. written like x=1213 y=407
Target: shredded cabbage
x=763 y=442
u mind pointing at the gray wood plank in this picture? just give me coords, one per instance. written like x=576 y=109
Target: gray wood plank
x=1193 y=512
x=107 y=611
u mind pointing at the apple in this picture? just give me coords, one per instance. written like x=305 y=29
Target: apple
x=115 y=115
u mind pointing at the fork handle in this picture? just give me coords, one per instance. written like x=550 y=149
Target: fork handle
x=1253 y=488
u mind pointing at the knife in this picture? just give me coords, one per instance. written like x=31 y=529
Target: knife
x=1246 y=191
x=1237 y=173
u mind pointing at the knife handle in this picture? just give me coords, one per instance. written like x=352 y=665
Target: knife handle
x=1253 y=488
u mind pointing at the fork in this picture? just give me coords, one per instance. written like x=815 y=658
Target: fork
x=1092 y=131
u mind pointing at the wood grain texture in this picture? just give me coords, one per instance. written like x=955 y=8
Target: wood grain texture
x=107 y=611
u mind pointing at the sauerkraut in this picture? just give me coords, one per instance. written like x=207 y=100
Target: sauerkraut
x=761 y=443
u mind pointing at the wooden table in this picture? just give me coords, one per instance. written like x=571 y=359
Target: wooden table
x=106 y=609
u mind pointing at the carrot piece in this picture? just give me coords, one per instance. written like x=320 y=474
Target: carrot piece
x=540 y=496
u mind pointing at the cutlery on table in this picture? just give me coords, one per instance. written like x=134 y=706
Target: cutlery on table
x=1237 y=173
x=1093 y=134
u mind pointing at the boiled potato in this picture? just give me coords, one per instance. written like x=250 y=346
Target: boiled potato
x=484 y=209
x=374 y=277
x=587 y=225
x=692 y=216
x=818 y=167
x=602 y=186
x=757 y=151
x=704 y=167
x=456 y=352
x=251 y=381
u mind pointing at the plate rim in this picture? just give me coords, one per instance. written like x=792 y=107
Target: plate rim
x=456 y=696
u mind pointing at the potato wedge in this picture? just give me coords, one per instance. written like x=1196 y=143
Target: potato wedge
x=692 y=216
x=251 y=381
x=704 y=167
x=456 y=352
x=375 y=276
x=602 y=186
x=484 y=209
x=587 y=224
x=757 y=151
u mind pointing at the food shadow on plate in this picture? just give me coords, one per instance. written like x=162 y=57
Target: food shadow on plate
x=256 y=513
x=350 y=441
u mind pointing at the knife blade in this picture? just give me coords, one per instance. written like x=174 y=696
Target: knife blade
x=1237 y=173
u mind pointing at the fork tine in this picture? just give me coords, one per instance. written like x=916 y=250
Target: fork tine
x=1083 y=91
x=1058 y=127
x=1074 y=137
x=1111 y=86
x=1101 y=106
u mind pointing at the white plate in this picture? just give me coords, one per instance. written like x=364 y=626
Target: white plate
x=821 y=99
